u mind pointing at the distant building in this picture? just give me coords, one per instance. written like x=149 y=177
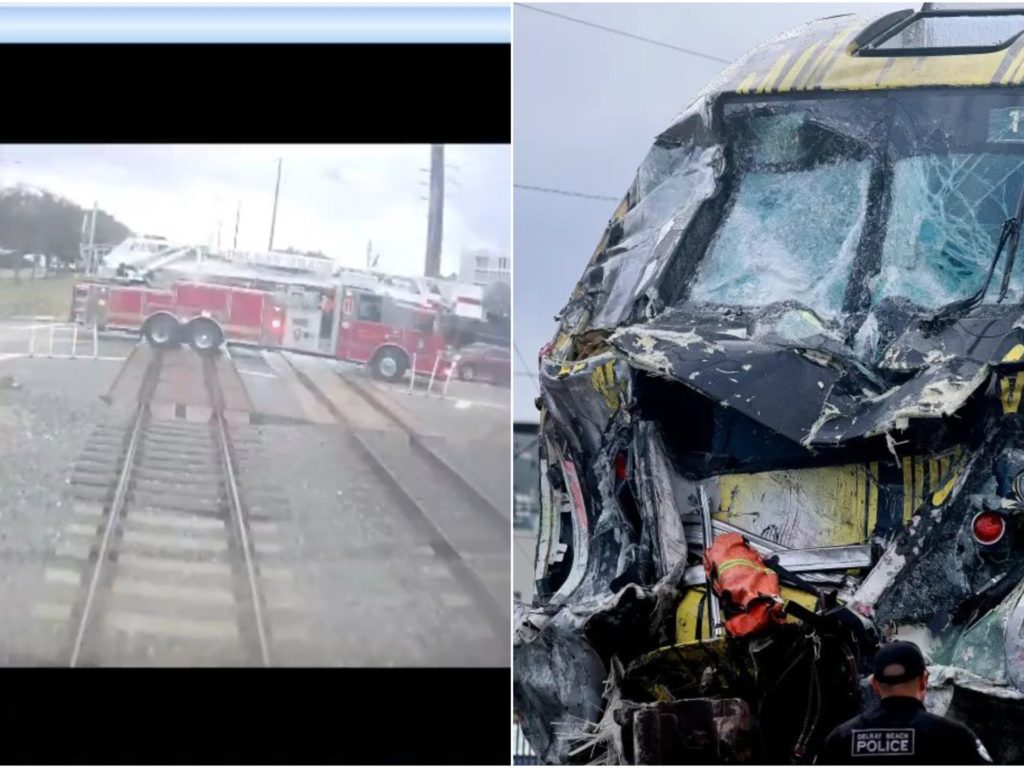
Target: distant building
x=483 y=267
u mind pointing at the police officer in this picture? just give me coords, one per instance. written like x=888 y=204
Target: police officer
x=900 y=729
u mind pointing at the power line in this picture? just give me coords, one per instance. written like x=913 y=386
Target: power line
x=568 y=193
x=526 y=365
x=642 y=39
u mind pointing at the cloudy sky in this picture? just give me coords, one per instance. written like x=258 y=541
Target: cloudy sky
x=334 y=198
x=587 y=106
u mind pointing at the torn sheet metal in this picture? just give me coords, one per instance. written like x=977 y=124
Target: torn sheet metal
x=557 y=684
x=809 y=390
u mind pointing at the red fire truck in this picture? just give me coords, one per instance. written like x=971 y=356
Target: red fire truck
x=358 y=323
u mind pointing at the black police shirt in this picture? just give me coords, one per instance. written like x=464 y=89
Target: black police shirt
x=901 y=730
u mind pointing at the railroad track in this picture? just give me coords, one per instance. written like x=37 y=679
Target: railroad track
x=171 y=575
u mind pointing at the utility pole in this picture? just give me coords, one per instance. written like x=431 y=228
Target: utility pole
x=83 y=251
x=273 y=218
x=435 y=215
x=93 y=261
x=369 y=258
x=238 y=216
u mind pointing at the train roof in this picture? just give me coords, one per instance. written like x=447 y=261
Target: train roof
x=979 y=46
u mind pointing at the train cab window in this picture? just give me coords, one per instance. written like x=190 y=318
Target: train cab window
x=368 y=308
x=957 y=32
x=799 y=203
x=948 y=32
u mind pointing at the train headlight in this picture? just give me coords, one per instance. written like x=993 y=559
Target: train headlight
x=988 y=528
x=275 y=324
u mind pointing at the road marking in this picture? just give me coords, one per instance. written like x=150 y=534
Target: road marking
x=468 y=403
x=191 y=629
x=55 y=356
x=204 y=596
x=5 y=328
x=265 y=374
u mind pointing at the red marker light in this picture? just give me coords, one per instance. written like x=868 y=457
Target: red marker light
x=620 y=466
x=988 y=527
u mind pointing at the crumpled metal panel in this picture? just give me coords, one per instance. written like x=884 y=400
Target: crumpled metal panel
x=779 y=351
x=670 y=186
x=557 y=683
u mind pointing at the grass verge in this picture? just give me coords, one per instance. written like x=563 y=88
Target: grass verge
x=42 y=296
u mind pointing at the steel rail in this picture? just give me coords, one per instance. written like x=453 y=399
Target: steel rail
x=117 y=504
x=235 y=502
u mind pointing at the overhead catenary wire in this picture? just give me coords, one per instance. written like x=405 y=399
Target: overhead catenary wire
x=566 y=192
x=623 y=33
x=529 y=371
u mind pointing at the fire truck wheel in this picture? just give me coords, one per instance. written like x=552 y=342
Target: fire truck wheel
x=389 y=364
x=161 y=331
x=205 y=336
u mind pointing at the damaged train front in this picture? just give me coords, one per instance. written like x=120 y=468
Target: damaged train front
x=781 y=424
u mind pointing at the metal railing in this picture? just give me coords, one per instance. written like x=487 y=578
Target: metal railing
x=522 y=752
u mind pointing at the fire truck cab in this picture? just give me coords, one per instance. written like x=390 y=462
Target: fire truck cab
x=390 y=335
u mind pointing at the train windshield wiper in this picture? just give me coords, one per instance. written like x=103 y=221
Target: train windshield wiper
x=1009 y=240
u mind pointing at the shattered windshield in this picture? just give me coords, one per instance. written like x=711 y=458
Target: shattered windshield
x=836 y=201
x=947 y=212
x=800 y=254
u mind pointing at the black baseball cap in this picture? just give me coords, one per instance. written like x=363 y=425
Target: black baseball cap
x=898 y=662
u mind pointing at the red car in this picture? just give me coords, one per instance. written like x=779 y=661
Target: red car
x=484 y=362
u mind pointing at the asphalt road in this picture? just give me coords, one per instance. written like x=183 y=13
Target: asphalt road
x=471 y=425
